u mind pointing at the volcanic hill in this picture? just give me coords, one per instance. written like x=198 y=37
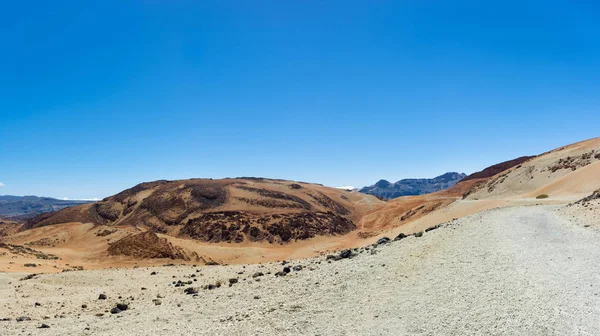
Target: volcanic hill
x=228 y=210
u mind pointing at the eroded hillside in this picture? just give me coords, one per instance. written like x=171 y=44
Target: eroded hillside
x=228 y=210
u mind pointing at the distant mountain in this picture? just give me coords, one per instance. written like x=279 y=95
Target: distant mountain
x=387 y=190
x=25 y=207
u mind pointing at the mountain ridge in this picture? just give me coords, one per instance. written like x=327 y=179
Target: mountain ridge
x=25 y=207
x=413 y=186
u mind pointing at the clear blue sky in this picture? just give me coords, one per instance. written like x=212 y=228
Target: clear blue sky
x=96 y=98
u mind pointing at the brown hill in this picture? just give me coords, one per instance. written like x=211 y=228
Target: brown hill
x=147 y=245
x=228 y=210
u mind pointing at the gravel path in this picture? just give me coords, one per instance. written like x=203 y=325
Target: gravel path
x=511 y=271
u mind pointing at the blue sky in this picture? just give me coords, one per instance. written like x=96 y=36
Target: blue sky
x=95 y=98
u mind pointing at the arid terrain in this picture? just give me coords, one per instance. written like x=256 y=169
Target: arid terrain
x=457 y=260
x=249 y=220
x=508 y=271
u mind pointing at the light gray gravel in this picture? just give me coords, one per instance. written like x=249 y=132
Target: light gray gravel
x=511 y=271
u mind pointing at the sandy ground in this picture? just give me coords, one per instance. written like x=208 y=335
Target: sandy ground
x=585 y=213
x=511 y=271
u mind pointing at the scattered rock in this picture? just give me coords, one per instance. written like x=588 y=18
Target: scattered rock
x=23 y=318
x=418 y=234
x=83 y=306
x=191 y=290
x=383 y=240
x=432 y=228
x=28 y=277
x=157 y=302
x=233 y=281
x=400 y=236
x=122 y=306
x=257 y=274
x=280 y=273
x=115 y=310
x=287 y=269
x=44 y=326
x=346 y=254
x=297 y=268
x=153 y=273
x=102 y=297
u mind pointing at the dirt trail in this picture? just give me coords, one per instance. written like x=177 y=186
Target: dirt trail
x=510 y=271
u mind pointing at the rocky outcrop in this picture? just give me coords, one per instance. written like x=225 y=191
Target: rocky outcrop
x=147 y=245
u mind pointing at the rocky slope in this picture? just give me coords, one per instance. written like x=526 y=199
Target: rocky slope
x=585 y=210
x=570 y=172
x=407 y=187
x=228 y=210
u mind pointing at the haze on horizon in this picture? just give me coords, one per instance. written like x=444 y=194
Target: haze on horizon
x=97 y=98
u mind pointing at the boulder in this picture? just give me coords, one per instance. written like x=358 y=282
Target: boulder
x=192 y=290
x=383 y=240
x=400 y=236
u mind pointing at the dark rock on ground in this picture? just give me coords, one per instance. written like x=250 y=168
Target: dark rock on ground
x=102 y=297
x=287 y=269
x=418 y=234
x=115 y=310
x=233 y=281
x=23 y=318
x=122 y=306
x=297 y=268
x=28 y=277
x=383 y=240
x=432 y=228
x=400 y=236
x=346 y=254
x=191 y=290
x=258 y=274
x=44 y=326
